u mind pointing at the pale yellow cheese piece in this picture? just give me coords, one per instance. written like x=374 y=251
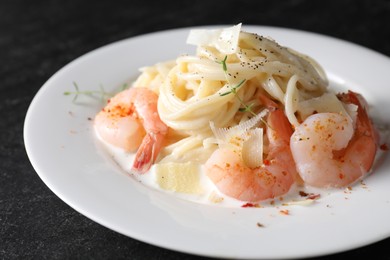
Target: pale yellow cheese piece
x=179 y=177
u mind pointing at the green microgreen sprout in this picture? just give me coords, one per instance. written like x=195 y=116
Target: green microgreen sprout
x=101 y=93
x=246 y=108
x=223 y=62
x=233 y=90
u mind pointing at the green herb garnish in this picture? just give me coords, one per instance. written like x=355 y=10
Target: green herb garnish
x=223 y=62
x=246 y=108
x=233 y=90
x=101 y=93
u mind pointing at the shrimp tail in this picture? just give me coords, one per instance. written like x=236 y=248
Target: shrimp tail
x=364 y=123
x=366 y=137
x=269 y=103
x=147 y=153
x=277 y=120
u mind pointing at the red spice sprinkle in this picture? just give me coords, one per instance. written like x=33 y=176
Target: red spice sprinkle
x=266 y=162
x=303 y=194
x=310 y=196
x=284 y=212
x=313 y=196
x=249 y=205
x=384 y=147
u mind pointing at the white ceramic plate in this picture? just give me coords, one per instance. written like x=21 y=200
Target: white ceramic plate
x=61 y=146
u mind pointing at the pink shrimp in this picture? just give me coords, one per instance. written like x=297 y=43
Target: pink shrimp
x=274 y=178
x=129 y=121
x=329 y=151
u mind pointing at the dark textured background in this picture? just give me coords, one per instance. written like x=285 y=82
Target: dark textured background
x=37 y=38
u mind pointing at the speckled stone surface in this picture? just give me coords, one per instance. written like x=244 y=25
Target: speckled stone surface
x=39 y=37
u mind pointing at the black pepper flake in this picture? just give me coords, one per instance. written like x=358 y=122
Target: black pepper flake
x=259 y=224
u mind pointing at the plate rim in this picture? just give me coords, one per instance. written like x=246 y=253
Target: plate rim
x=46 y=85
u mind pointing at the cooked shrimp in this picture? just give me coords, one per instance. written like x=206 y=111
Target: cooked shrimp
x=329 y=151
x=274 y=178
x=129 y=121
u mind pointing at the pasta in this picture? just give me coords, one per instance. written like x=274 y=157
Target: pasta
x=191 y=89
x=256 y=116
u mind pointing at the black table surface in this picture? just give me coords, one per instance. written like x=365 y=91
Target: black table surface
x=39 y=37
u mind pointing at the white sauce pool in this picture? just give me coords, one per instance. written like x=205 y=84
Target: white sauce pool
x=209 y=193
